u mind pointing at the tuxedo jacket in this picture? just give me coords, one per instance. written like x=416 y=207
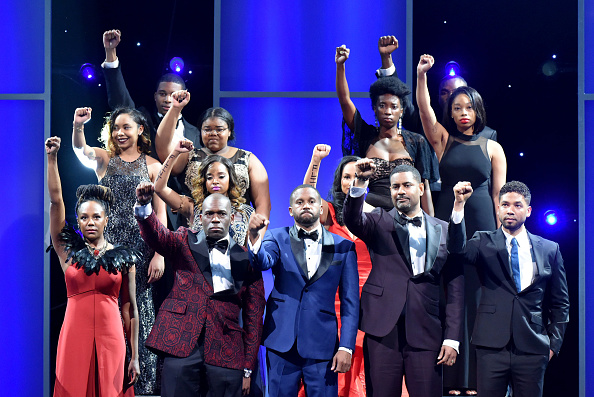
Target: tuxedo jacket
x=192 y=307
x=303 y=309
x=392 y=291
x=537 y=316
x=118 y=95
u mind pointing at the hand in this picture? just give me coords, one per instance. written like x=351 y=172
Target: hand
x=179 y=99
x=257 y=223
x=387 y=45
x=52 y=145
x=320 y=151
x=111 y=38
x=144 y=193
x=133 y=371
x=156 y=268
x=447 y=356
x=342 y=54
x=341 y=362
x=425 y=63
x=462 y=191
x=184 y=146
x=245 y=386
x=82 y=115
x=365 y=168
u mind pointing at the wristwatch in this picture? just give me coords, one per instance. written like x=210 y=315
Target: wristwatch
x=247 y=373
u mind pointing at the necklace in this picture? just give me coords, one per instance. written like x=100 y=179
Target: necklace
x=97 y=253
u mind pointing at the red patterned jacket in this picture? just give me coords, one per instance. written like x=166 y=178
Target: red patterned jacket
x=192 y=307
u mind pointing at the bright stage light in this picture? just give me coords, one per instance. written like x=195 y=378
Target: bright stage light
x=452 y=69
x=176 y=65
x=551 y=217
x=88 y=72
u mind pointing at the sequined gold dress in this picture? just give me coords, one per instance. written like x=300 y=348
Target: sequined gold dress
x=122 y=229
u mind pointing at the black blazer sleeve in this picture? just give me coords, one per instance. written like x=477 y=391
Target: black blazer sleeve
x=117 y=92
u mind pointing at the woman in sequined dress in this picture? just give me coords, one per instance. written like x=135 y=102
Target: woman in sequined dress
x=121 y=165
x=217 y=128
x=91 y=350
x=388 y=143
x=216 y=175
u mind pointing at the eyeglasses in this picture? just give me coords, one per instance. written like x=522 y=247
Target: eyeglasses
x=218 y=131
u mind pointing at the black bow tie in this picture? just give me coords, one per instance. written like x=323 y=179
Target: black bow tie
x=303 y=235
x=403 y=220
x=221 y=245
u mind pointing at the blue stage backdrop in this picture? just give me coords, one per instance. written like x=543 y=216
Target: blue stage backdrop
x=275 y=72
x=586 y=140
x=24 y=102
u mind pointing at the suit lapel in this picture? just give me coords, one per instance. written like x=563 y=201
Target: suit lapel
x=499 y=241
x=199 y=249
x=433 y=230
x=239 y=265
x=298 y=251
x=536 y=243
x=400 y=236
x=326 y=257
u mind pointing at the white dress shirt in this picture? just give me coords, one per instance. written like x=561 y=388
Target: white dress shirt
x=220 y=266
x=527 y=266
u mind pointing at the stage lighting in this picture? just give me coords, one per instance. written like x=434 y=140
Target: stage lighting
x=549 y=68
x=87 y=71
x=176 y=65
x=551 y=217
x=452 y=69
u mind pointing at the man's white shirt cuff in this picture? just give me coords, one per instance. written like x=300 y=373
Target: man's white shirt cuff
x=454 y=344
x=143 y=211
x=457 y=216
x=386 y=72
x=111 y=65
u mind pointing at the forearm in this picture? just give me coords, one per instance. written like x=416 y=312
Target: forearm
x=386 y=61
x=54 y=184
x=311 y=176
x=164 y=138
x=168 y=195
x=426 y=113
x=110 y=55
x=78 y=135
x=426 y=200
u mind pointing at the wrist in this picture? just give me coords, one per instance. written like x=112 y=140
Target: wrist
x=361 y=178
x=247 y=373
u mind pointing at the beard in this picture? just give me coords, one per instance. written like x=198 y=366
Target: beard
x=306 y=221
x=404 y=206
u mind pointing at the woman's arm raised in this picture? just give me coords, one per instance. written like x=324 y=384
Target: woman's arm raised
x=342 y=87
x=54 y=188
x=91 y=157
x=436 y=134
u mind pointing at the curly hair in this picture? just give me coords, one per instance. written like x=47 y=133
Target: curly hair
x=110 y=144
x=389 y=85
x=101 y=194
x=477 y=104
x=516 y=187
x=199 y=191
x=336 y=195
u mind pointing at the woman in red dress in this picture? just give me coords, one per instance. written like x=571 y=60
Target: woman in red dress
x=91 y=348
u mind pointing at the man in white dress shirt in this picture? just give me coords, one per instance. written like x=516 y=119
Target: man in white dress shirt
x=524 y=306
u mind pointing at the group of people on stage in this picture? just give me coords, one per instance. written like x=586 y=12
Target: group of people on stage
x=418 y=261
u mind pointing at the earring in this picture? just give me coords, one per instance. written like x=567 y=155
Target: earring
x=400 y=126
x=376 y=122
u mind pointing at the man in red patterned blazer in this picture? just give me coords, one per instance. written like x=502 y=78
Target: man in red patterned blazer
x=197 y=326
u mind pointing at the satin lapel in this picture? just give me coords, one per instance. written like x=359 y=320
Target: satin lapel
x=326 y=257
x=433 y=230
x=199 y=249
x=400 y=236
x=239 y=265
x=537 y=249
x=298 y=250
x=499 y=240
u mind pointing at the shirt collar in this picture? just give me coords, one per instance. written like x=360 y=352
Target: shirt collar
x=521 y=238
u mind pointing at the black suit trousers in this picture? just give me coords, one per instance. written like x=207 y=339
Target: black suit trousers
x=496 y=368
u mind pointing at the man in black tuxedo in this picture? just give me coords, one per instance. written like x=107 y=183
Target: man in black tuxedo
x=400 y=312
x=524 y=306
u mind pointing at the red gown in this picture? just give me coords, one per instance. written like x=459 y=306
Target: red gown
x=91 y=349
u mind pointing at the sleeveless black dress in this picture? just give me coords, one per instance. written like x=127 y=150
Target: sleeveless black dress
x=466 y=158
